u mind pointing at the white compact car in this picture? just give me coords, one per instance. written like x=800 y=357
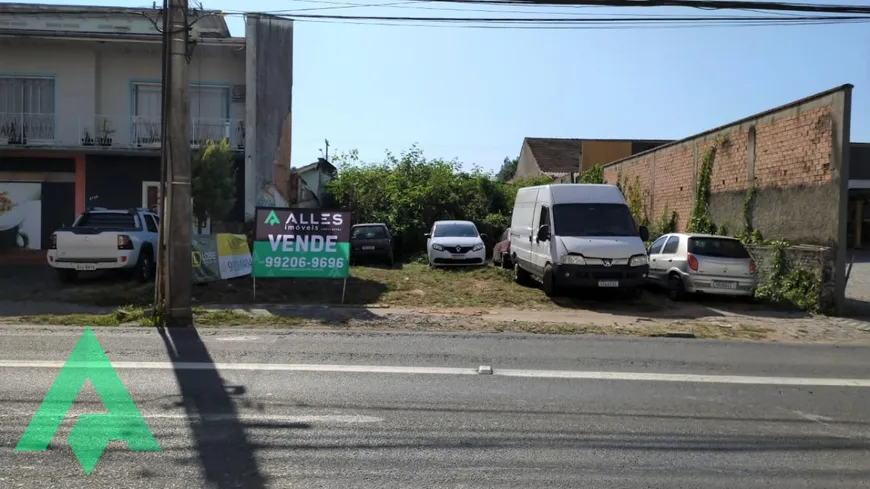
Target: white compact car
x=455 y=243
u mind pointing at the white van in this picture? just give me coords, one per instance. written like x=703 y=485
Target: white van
x=577 y=235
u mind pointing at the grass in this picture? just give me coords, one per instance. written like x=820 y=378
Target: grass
x=137 y=316
x=409 y=285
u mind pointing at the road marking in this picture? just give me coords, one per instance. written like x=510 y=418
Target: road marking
x=389 y=369
x=274 y=418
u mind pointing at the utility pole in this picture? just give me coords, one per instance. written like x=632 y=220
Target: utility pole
x=177 y=221
x=326 y=153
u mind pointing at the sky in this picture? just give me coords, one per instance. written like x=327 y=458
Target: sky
x=474 y=94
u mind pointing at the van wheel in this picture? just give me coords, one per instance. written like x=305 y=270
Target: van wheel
x=520 y=276
x=549 y=282
x=676 y=291
x=505 y=261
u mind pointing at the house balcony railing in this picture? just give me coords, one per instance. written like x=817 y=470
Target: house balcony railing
x=23 y=128
x=144 y=132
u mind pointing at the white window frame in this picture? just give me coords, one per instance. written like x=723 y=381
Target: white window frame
x=42 y=123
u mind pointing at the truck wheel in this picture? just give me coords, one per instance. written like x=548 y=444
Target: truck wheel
x=66 y=276
x=549 y=282
x=145 y=266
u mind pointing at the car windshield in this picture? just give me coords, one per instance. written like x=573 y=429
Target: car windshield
x=455 y=230
x=107 y=220
x=593 y=220
x=368 y=232
x=718 y=247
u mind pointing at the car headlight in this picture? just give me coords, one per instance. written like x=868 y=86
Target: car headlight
x=437 y=247
x=478 y=247
x=638 y=260
x=573 y=260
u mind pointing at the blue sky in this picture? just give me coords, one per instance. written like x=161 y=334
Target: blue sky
x=474 y=94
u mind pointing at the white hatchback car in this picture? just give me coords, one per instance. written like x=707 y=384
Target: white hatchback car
x=455 y=243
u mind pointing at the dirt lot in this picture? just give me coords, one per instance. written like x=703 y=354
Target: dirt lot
x=412 y=297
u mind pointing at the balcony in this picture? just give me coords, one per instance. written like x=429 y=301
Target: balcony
x=19 y=128
x=142 y=132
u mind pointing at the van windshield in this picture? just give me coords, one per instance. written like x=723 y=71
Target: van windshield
x=593 y=220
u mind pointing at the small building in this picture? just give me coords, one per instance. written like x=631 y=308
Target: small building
x=563 y=158
x=307 y=185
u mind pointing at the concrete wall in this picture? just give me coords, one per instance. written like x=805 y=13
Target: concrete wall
x=602 y=152
x=797 y=156
x=527 y=167
x=95 y=79
x=269 y=108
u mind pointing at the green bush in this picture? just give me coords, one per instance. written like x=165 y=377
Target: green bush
x=408 y=193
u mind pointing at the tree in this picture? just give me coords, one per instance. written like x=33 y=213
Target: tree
x=592 y=175
x=508 y=169
x=213 y=182
x=409 y=193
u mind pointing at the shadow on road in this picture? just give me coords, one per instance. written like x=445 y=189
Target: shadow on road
x=226 y=455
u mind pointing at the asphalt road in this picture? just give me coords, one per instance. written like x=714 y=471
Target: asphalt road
x=342 y=411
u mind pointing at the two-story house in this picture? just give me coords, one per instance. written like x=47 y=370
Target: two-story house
x=80 y=110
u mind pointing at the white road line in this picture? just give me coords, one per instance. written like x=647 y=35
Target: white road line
x=389 y=369
x=265 y=418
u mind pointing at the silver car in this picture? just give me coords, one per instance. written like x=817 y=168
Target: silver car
x=692 y=263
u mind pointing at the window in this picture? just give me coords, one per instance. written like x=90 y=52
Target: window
x=28 y=103
x=657 y=246
x=150 y=224
x=369 y=232
x=581 y=220
x=718 y=247
x=209 y=116
x=108 y=220
x=455 y=230
x=671 y=247
x=544 y=218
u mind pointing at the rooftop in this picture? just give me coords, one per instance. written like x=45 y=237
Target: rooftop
x=40 y=19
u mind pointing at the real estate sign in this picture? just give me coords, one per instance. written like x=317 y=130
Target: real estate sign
x=306 y=243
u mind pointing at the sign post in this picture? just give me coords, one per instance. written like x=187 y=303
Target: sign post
x=301 y=243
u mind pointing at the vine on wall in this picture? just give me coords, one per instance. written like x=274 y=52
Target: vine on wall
x=750 y=235
x=797 y=287
x=700 y=221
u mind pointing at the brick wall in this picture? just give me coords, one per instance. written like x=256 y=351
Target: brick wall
x=791 y=153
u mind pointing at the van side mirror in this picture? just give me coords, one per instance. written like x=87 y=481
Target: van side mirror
x=543 y=233
x=644 y=233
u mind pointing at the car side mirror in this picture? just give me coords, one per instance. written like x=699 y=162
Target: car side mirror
x=543 y=233
x=644 y=233
x=482 y=235
x=427 y=235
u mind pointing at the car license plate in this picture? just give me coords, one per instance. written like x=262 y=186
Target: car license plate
x=83 y=267
x=720 y=284
x=608 y=283
x=368 y=248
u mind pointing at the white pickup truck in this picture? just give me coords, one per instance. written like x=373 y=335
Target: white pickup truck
x=104 y=239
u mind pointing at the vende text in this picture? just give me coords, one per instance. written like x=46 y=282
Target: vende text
x=290 y=242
